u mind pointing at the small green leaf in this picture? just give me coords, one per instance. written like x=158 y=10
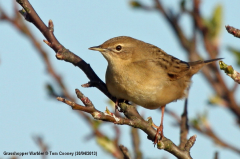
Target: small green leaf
x=106 y=144
x=214 y=23
x=96 y=123
x=135 y=4
x=215 y=100
x=50 y=90
x=222 y=65
x=228 y=69
x=216 y=20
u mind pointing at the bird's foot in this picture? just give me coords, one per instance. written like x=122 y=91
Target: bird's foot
x=159 y=130
x=117 y=107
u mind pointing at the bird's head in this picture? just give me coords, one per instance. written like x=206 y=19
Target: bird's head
x=119 y=49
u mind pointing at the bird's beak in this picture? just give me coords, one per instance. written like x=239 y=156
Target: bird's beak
x=97 y=48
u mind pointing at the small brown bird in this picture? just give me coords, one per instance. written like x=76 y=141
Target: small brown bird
x=145 y=74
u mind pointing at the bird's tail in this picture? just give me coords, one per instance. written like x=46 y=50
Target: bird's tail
x=197 y=65
x=212 y=60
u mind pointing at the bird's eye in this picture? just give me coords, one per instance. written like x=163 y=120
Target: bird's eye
x=119 y=47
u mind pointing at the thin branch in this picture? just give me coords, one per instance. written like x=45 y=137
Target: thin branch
x=174 y=24
x=125 y=152
x=184 y=126
x=61 y=52
x=20 y=25
x=84 y=99
x=190 y=143
x=228 y=69
x=205 y=130
x=213 y=49
x=117 y=135
x=216 y=155
x=216 y=81
x=107 y=116
x=44 y=148
x=136 y=143
x=133 y=119
x=231 y=30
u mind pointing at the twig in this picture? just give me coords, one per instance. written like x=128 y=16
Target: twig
x=235 y=32
x=216 y=155
x=44 y=148
x=184 y=126
x=133 y=119
x=136 y=143
x=125 y=152
x=61 y=52
x=190 y=143
x=205 y=131
x=20 y=25
x=217 y=82
x=117 y=135
x=107 y=116
x=228 y=69
x=174 y=24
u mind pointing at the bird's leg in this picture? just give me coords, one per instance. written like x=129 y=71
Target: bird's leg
x=116 y=105
x=160 y=128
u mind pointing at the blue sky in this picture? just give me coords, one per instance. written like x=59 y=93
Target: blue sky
x=27 y=110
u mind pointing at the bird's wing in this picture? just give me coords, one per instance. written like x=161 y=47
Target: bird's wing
x=172 y=67
x=175 y=68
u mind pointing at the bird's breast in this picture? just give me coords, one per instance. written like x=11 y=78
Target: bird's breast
x=143 y=89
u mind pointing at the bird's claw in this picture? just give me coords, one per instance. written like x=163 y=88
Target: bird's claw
x=159 y=130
